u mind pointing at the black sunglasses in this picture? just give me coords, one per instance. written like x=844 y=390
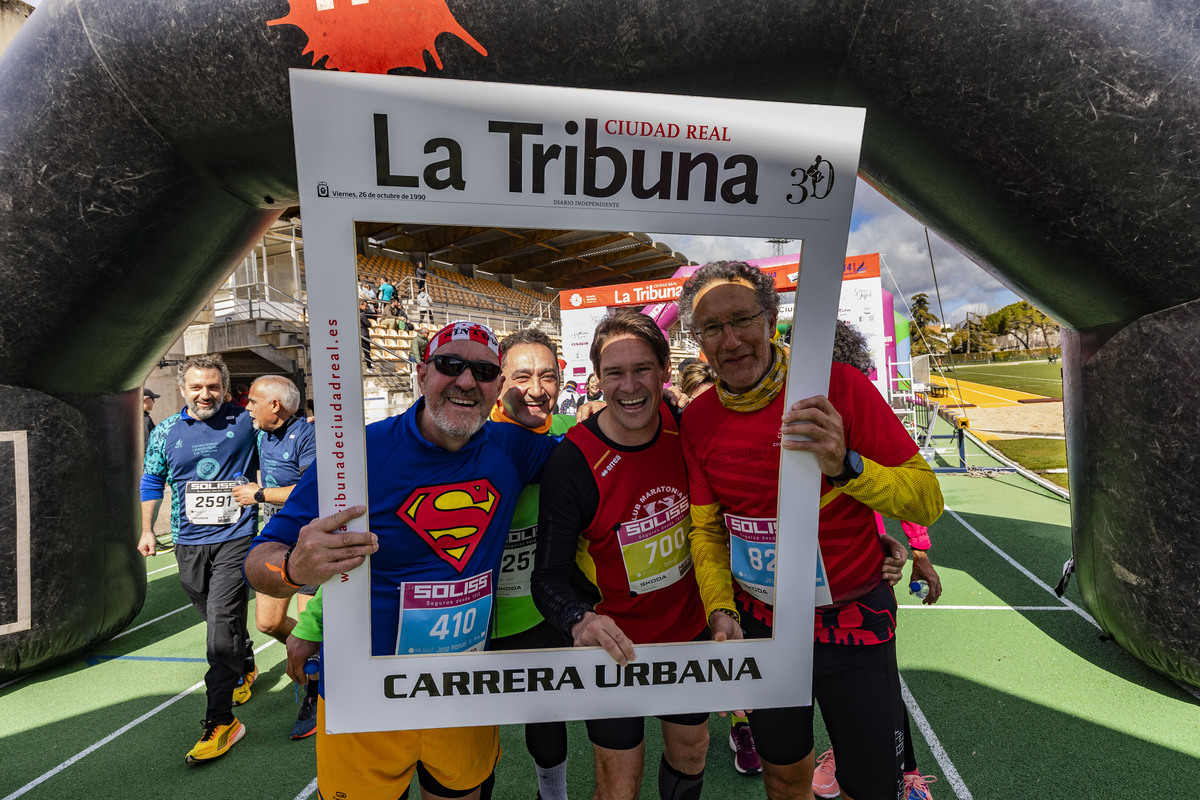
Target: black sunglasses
x=453 y=366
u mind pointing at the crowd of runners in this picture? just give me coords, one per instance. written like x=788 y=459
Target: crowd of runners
x=699 y=466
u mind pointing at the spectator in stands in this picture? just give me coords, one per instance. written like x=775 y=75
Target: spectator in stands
x=421 y=274
x=568 y=401
x=593 y=388
x=148 y=398
x=394 y=318
x=364 y=324
x=416 y=350
x=424 y=306
x=386 y=290
x=365 y=292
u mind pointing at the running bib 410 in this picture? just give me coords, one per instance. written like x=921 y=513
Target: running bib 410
x=211 y=502
x=655 y=549
x=752 y=558
x=445 y=616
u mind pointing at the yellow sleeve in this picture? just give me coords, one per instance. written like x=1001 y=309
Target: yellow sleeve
x=908 y=491
x=710 y=558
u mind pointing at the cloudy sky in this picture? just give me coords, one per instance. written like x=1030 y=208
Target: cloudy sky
x=878 y=226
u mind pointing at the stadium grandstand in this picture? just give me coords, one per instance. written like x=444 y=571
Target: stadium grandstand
x=507 y=279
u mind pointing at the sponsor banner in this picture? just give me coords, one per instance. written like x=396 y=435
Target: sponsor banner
x=858 y=267
x=408 y=150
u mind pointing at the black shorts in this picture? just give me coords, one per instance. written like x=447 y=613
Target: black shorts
x=858 y=689
x=626 y=733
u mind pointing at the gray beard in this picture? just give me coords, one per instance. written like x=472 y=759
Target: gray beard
x=457 y=431
x=196 y=413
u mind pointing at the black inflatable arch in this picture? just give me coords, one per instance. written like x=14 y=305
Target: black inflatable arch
x=1055 y=143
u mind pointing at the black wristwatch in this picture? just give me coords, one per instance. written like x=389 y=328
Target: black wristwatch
x=259 y=497
x=575 y=616
x=852 y=467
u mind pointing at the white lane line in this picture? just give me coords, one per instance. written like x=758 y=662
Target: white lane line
x=307 y=791
x=940 y=607
x=150 y=622
x=130 y=726
x=161 y=569
x=1192 y=690
x=935 y=745
x=1049 y=590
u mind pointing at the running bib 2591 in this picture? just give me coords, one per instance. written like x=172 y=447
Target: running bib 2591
x=211 y=502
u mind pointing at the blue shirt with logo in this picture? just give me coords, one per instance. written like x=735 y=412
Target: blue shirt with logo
x=439 y=516
x=183 y=449
x=285 y=453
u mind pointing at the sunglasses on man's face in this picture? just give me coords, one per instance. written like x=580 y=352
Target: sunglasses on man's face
x=453 y=366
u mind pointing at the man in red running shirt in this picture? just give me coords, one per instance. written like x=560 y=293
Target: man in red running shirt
x=612 y=567
x=731 y=438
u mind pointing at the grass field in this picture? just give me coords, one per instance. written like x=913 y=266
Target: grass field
x=1035 y=377
x=1013 y=692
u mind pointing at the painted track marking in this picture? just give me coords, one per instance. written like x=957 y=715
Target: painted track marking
x=123 y=729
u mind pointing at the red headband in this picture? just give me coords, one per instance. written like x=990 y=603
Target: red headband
x=459 y=331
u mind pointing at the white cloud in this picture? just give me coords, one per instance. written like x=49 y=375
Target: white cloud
x=881 y=227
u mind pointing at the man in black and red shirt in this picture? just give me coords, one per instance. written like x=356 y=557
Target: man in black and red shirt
x=731 y=440
x=613 y=564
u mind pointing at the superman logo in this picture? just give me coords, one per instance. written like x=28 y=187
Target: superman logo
x=452 y=518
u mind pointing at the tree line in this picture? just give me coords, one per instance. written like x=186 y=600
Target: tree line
x=977 y=333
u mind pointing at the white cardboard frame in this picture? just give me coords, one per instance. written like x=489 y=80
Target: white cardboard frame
x=335 y=121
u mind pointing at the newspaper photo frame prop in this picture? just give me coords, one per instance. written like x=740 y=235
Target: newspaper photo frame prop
x=385 y=148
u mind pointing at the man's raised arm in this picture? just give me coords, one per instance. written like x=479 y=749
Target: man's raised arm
x=321 y=550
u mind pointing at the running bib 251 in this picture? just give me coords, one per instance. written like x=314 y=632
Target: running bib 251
x=516 y=568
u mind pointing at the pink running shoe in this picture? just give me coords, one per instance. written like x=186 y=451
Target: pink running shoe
x=916 y=786
x=825 y=776
x=745 y=756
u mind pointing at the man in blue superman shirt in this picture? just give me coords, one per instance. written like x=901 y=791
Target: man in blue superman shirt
x=443 y=486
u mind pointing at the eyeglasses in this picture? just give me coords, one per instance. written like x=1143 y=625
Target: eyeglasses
x=453 y=366
x=710 y=332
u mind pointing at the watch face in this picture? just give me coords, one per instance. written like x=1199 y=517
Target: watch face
x=856 y=462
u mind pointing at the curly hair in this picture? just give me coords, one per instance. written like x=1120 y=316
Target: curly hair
x=850 y=347
x=729 y=272
x=206 y=361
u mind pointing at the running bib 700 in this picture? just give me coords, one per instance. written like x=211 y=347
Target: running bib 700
x=656 y=549
x=752 y=558
x=211 y=502
x=445 y=616
x=516 y=568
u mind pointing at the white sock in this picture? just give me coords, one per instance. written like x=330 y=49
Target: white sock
x=552 y=781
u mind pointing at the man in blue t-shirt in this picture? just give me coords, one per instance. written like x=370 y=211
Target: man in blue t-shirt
x=204 y=452
x=443 y=485
x=287 y=444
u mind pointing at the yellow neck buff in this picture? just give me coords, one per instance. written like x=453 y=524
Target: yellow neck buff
x=766 y=390
x=500 y=414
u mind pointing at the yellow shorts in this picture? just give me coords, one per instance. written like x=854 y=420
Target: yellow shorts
x=380 y=765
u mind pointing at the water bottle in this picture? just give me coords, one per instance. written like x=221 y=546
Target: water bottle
x=919 y=589
x=240 y=479
x=312 y=666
